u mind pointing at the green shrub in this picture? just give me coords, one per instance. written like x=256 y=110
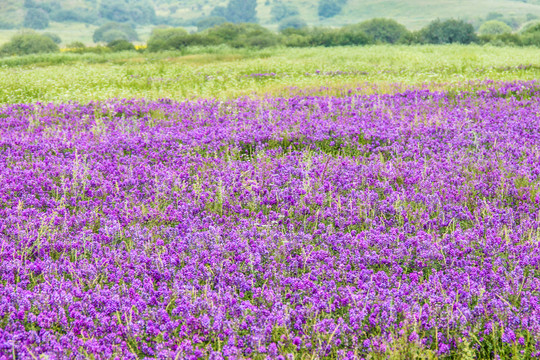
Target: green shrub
x=235 y=34
x=447 y=32
x=28 y=43
x=531 y=39
x=120 y=45
x=530 y=34
x=501 y=40
x=531 y=27
x=76 y=45
x=258 y=41
x=494 y=27
x=36 y=19
x=350 y=36
x=296 y=40
x=242 y=35
x=167 y=39
x=382 y=30
x=115 y=31
x=322 y=37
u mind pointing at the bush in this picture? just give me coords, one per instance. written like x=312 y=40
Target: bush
x=509 y=39
x=282 y=11
x=383 y=30
x=447 y=32
x=76 y=45
x=258 y=41
x=114 y=31
x=530 y=34
x=531 y=27
x=346 y=37
x=240 y=35
x=137 y=11
x=28 y=43
x=54 y=37
x=296 y=40
x=167 y=39
x=494 y=27
x=337 y=37
x=292 y=23
x=531 y=39
x=36 y=19
x=120 y=45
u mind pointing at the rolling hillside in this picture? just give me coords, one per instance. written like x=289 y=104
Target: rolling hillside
x=412 y=13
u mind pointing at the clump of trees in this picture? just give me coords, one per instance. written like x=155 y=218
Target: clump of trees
x=135 y=11
x=494 y=27
x=120 y=45
x=36 y=19
x=385 y=31
x=28 y=43
x=330 y=8
x=448 y=32
x=234 y=35
x=237 y=11
x=281 y=11
x=530 y=35
x=124 y=11
x=295 y=33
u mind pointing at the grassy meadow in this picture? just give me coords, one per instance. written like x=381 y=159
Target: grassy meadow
x=188 y=205
x=227 y=73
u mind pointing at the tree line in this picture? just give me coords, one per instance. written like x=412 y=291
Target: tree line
x=120 y=36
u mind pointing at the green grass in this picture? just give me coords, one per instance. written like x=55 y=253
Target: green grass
x=223 y=72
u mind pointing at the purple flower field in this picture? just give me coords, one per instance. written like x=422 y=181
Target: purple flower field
x=380 y=226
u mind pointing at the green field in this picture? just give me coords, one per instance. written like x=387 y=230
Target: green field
x=223 y=72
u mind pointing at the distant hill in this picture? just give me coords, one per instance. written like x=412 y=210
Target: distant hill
x=412 y=13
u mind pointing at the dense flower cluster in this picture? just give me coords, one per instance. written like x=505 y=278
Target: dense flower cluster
x=331 y=226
